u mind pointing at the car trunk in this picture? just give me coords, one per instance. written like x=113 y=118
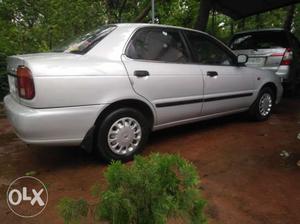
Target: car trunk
x=39 y=65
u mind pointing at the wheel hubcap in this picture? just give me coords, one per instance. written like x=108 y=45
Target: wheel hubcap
x=124 y=136
x=265 y=104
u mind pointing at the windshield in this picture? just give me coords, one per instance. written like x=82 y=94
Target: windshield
x=84 y=43
x=259 y=40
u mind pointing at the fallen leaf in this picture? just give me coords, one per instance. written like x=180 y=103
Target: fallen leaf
x=31 y=173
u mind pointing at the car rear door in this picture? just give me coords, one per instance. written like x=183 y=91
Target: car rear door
x=227 y=87
x=158 y=64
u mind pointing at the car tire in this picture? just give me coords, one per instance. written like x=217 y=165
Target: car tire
x=263 y=106
x=121 y=135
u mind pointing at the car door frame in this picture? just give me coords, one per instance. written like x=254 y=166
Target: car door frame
x=208 y=107
x=162 y=106
x=216 y=42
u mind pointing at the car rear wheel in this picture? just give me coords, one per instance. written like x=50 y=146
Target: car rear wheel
x=122 y=134
x=263 y=105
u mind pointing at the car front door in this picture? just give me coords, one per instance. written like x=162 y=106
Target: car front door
x=227 y=87
x=158 y=64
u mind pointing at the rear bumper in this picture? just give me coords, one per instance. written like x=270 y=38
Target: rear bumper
x=53 y=126
x=282 y=71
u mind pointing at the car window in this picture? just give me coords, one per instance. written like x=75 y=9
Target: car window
x=158 y=44
x=259 y=40
x=82 y=44
x=208 y=51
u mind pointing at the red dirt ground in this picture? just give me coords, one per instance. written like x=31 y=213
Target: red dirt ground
x=244 y=180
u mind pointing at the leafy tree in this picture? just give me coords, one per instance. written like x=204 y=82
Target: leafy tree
x=28 y=26
x=33 y=26
x=296 y=22
x=177 y=12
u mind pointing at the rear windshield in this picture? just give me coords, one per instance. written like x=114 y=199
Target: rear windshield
x=82 y=44
x=259 y=40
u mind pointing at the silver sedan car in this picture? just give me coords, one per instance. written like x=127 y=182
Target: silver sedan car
x=109 y=88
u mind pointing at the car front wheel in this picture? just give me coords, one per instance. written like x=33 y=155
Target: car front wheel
x=122 y=134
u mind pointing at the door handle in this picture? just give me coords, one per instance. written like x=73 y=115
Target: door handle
x=212 y=74
x=141 y=73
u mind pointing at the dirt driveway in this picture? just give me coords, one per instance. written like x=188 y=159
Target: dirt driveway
x=243 y=177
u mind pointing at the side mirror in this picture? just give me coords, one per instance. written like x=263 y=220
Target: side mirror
x=242 y=59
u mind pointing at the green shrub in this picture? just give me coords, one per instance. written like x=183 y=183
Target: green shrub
x=72 y=211
x=149 y=191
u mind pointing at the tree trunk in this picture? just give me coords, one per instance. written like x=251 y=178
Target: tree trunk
x=258 y=21
x=121 y=11
x=289 y=18
x=231 y=27
x=140 y=18
x=203 y=14
x=241 y=24
x=213 y=23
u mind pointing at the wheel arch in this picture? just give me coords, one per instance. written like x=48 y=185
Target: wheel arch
x=143 y=107
x=272 y=86
x=89 y=140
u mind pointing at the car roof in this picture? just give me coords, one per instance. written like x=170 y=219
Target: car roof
x=261 y=30
x=139 y=25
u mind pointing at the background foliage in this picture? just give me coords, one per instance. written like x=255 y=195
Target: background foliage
x=28 y=26
x=31 y=26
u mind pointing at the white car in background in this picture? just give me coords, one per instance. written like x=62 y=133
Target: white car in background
x=276 y=50
x=108 y=89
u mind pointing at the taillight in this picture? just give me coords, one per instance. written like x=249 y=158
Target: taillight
x=25 y=83
x=287 y=57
